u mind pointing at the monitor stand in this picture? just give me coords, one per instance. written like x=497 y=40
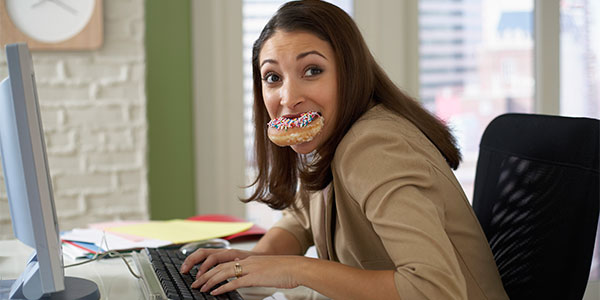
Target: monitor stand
x=75 y=288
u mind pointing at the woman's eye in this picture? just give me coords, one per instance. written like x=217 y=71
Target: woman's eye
x=271 y=78
x=312 y=71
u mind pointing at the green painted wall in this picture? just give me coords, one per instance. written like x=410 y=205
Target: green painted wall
x=169 y=109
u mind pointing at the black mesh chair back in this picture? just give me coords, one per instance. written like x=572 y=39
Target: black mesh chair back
x=537 y=196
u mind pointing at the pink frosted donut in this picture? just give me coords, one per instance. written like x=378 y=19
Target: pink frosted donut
x=291 y=131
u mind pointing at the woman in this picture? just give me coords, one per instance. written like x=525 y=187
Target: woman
x=373 y=191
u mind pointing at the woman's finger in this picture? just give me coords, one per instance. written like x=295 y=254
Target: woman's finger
x=195 y=258
x=220 y=257
x=231 y=285
x=214 y=276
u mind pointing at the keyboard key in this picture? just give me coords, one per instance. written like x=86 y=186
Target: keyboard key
x=235 y=296
x=222 y=297
x=209 y=297
x=172 y=295
x=197 y=294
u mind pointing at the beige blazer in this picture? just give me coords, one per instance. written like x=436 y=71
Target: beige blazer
x=396 y=205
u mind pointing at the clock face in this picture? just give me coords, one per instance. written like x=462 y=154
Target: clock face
x=50 y=21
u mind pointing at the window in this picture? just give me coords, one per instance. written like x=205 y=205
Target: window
x=580 y=58
x=476 y=62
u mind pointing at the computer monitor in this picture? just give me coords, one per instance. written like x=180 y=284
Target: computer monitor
x=29 y=187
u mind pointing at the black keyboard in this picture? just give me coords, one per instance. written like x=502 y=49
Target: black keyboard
x=166 y=264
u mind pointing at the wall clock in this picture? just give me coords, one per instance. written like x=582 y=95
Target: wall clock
x=52 y=24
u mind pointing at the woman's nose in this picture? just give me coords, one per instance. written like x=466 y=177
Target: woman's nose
x=291 y=94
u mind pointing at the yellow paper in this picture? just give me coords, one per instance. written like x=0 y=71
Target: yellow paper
x=182 y=231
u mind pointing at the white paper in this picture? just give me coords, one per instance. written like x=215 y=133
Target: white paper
x=113 y=241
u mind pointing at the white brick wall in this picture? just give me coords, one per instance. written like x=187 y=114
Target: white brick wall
x=93 y=113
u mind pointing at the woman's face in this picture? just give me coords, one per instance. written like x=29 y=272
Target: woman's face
x=298 y=72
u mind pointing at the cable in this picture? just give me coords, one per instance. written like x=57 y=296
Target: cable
x=110 y=254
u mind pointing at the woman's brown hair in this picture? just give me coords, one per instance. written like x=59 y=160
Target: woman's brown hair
x=361 y=83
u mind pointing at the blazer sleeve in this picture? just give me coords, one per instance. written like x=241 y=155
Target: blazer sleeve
x=390 y=175
x=297 y=222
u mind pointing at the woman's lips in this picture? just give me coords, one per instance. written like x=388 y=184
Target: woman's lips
x=291 y=116
x=298 y=115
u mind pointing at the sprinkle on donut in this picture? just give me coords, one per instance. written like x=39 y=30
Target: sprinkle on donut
x=283 y=123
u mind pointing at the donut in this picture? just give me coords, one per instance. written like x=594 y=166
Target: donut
x=285 y=131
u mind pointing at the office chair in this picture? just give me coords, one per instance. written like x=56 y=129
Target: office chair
x=536 y=196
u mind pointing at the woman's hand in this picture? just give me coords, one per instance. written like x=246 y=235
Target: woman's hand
x=277 y=271
x=212 y=257
x=332 y=279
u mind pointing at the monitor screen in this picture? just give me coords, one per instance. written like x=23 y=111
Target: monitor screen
x=27 y=179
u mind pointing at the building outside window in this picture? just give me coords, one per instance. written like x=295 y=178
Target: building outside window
x=476 y=62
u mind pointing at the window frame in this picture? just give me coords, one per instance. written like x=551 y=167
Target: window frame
x=218 y=106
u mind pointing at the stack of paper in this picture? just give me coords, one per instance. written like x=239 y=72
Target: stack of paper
x=75 y=249
x=254 y=232
x=125 y=236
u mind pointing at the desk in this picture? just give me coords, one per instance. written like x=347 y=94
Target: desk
x=115 y=281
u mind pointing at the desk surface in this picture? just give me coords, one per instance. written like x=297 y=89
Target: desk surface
x=115 y=281
x=113 y=278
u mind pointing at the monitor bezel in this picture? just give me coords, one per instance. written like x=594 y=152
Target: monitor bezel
x=27 y=178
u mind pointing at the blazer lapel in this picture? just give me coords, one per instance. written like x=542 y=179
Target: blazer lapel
x=329 y=221
x=321 y=215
